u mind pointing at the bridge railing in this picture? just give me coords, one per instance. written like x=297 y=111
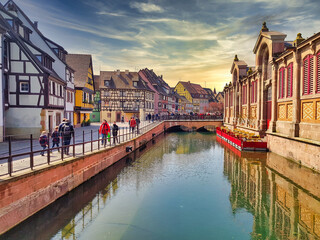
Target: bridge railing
x=18 y=154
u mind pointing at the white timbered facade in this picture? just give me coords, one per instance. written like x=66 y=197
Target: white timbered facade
x=35 y=76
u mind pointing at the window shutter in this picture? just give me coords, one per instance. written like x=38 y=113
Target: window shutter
x=311 y=74
x=318 y=74
x=305 y=76
x=289 y=81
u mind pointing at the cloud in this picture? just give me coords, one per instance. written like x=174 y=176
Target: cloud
x=146 y=7
x=110 y=14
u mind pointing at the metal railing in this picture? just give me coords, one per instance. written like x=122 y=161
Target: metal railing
x=29 y=156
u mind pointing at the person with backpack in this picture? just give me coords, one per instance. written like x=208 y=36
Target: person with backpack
x=132 y=124
x=43 y=140
x=67 y=134
x=64 y=120
x=55 y=136
x=115 y=129
x=104 y=131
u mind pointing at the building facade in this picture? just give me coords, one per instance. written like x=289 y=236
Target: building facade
x=84 y=87
x=279 y=96
x=95 y=115
x=124 y=95
x=195 y=94
x=35 y=76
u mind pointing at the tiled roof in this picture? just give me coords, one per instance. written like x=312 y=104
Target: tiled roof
x=157 y=82
x=194 y=89
x=80 y=63
x=122 y=80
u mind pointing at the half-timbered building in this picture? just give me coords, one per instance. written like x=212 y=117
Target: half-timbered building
x=84 y=87
x=34 y=76
x=124 y=94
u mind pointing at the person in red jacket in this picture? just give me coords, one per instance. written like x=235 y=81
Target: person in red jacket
x=133 y=124
x=104 y=131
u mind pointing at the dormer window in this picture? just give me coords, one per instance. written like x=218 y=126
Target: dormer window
x=135 y=84
x=10 y=21
x=39 y=58
x=106 y=83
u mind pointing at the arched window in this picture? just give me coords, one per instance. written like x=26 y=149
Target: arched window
x=281 y=82
x=308 y=75
x=289 y=79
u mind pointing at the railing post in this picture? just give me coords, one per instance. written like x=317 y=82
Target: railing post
x=31 y=152
x=74 y=145
x=48 y=150
x=98 y=141
x=62 y=147
x=83 y=147
x=10 y=158
x=91 y=141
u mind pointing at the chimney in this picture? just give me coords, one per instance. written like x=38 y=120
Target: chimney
x=35 y=23
x=127 y=72
x=118 y=72
x=298 y=40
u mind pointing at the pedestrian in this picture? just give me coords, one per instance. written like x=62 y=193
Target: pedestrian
x=43 y=140
x=149 y=117
x=115 y=129
x=55 y=136
x=122 y=119
x=104 y=130
x=67 y=133
x=152 y=117
x=137 y=124
x=64 y=120
x=132 y=124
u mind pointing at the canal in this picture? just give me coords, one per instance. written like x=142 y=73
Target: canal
x=186 y=186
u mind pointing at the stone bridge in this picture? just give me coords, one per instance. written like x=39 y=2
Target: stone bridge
x=193 y=125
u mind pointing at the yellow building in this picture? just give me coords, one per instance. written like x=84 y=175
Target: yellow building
x=84 y=87
x=195 y=94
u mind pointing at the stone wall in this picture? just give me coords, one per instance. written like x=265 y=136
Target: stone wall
x=305 y=153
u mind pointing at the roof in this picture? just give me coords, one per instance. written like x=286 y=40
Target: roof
x=122 y=80
x=195 y=90
x=96 y=82
x=157 y=81
x=80 y=63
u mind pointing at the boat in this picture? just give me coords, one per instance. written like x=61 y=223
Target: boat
x=243 y=141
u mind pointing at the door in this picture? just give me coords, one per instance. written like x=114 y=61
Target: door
x=118 y=118
x=268 y=106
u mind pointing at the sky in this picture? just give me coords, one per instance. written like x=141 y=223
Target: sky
x=183 y=40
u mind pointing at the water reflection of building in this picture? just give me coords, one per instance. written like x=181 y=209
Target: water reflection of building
x=285 y=205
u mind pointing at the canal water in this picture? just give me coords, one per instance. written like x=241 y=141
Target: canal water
x=186 y=186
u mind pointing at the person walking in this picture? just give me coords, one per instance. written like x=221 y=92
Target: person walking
x=55 y=136
x=43 y=140
x=64 y=120
x=137 y=124
x=149 y=117
x=67 y=134
x=115 y=129
x=104 y=130
x=132 y=124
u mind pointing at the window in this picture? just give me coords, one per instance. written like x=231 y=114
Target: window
x=318 y=73
x=135 y=84
x=254 y=91
x=10 y=21
x=289 y=79
x=53 y=88
x=106 y=83
x=84 y=100
x=281 y=82
x=308 y=75
x=61 y=91
x=231 y=98
x=244 y=94
x=24 y=87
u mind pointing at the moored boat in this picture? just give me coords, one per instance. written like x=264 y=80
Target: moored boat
x=241 y=140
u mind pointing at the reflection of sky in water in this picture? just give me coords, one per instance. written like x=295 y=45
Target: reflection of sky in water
x=187 y=186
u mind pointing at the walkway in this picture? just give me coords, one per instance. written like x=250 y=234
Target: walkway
x=88 y=134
